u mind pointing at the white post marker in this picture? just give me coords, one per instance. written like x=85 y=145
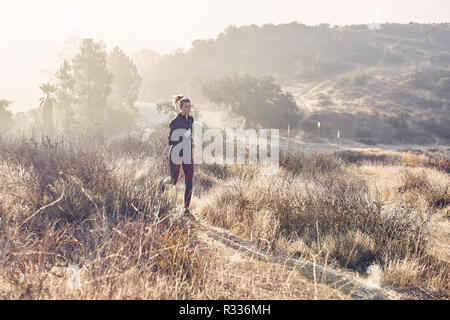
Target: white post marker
x=287 y=140
x=339 y=138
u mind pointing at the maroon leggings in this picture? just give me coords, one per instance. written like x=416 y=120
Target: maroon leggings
x=188 y=169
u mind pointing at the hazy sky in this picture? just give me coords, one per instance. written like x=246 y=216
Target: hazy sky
x=33 y=32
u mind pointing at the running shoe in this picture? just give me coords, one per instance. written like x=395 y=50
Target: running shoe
x=163 y=182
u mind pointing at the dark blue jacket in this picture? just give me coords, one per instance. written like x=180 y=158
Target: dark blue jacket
x=180 y=122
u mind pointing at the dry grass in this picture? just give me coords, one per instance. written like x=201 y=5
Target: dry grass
x=80 y=221
x=72 y=207
x=232 y=275
x=412 y=160
x=67 y=207
x=316 y=203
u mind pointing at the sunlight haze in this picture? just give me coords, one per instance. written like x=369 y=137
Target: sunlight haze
x=32 y=33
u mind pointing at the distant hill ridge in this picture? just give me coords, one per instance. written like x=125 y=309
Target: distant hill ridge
x=389 y=84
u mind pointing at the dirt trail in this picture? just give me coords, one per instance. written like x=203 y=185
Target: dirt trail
x=324 y=275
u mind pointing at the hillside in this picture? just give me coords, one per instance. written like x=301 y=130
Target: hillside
x=388 y=85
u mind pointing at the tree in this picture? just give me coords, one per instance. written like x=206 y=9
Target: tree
x=5 y=116
x=46 y=104
x=92 y=85
x=125 y=90
x=259 y=100
x=97 y=91
x=65 y=97
x=126 y=79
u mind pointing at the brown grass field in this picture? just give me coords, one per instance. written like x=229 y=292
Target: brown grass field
x=83 y=220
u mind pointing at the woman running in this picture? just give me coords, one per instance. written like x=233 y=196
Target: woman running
x=181 y=132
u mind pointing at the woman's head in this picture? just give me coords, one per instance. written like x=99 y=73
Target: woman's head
x=183 y=103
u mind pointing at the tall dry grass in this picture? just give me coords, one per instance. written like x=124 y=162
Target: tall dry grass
x=81 y=219
x=66 y=206
x=319 y=204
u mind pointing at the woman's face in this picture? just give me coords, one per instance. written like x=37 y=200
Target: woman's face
x=185 y=108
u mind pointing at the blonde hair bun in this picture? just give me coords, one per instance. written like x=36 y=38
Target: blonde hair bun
x=176 y=99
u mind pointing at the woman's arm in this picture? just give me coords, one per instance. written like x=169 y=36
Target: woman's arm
x=172 y=128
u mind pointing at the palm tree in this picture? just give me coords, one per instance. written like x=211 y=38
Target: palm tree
x=46 y=103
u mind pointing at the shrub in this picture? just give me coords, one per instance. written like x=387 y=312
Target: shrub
x=391 y=57
x=321 y=202
x=324 y=100
x=443 y=164
x=217 y=170
x=309 y=164
x=82 y=182
x=444 y=84
x=83 y=210
x=417 y=183
x=358 y=77
x=356 y=157
x=412 y=160
x=418 y=78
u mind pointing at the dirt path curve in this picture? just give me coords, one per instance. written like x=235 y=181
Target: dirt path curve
x=325 y=275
